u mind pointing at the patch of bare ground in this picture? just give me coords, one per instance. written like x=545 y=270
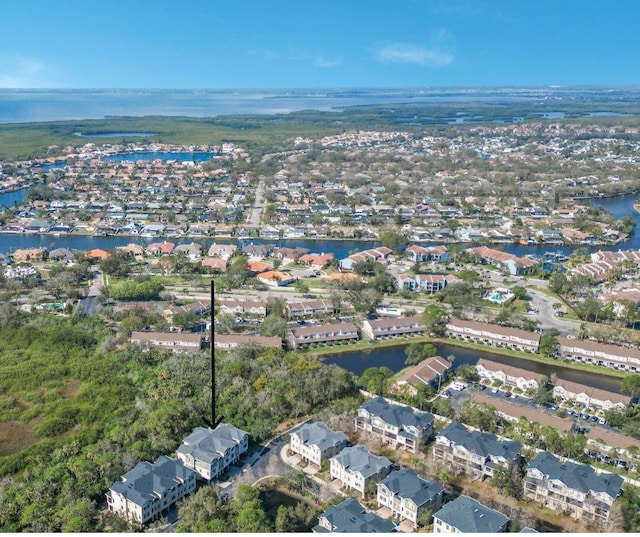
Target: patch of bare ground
x=70 y=389
x=16 y=436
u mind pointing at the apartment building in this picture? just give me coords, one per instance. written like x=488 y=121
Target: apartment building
x=466 y=515
x=355 y=467
x=474 y=452
x=568 y=487
x=393 y=328
x=315 y=442
x=304 y=336
x=174 y=341
x=397 y=425
x=603 y=354
x=494 y=335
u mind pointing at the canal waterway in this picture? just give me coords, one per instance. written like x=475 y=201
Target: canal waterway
x=619 y=206
x=394 y=358
x=159 y=155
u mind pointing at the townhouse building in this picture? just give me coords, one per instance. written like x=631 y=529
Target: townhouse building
x=474 y=452
x=568 y=487
x=149 y=490
x=309 y=308
x=315 y=442
x=509 y=375
x=429 y=283
x=209 y=452
x=243 y=308
x=503 y=260
x=588 y=396
x=408 y=495
x=379 y=254
x=417 y=253
x=393 y=328
x=231 y=341
x=304 y=336
x=429 y=372
x=603 y=354
x=355 y=468
x=174 y=341
x=466 y=515
x=349 y=516
x=494 y=335
x=397 y=425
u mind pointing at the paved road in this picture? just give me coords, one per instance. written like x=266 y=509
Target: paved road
x=89 y=305
x=256 y=213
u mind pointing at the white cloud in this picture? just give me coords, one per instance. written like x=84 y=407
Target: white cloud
x=323 y=62
x=439 y=52
x=17 y=71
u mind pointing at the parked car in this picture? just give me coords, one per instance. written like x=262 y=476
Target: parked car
x=446 y=394
x=494 y=390
x=594 y=419
x=508 y=394
x=584 y=416
x=602 y=421
x=513 y=396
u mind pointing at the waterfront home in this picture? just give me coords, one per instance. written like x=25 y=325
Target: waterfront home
x=149 y=490
x=349 y=516
x=618 y=297
x=160 y=248
x=510 y=375
x=502 y=260
x=257 y=252
x=303 y=336
x=193 y=251
x=588 y=396
x=355 y=468
x=392 y=328
x=276 y=278
x=603 y=354
x=429 y=372
x=289 y=255
x=174 y=341
x=210 y=452
x=62 y=254
x=28 y=254
x=231 y=341
x=571 y=488
x=236 y=306
x=408 y=495
x=97 y=254
x=223 y=251
x=315 y=442
x=317 y=261
x=494 y=335
x=474 y=452
x=395 y=424
x=134 y=250
x=466 y=515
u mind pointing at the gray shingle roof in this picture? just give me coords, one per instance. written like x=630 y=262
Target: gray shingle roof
x=580 y=477
x=481 y=443
x=207 y=445
x=397 y=415
x=318 y=434
x=148 y=481
x=351 y=517
x=358 y=460
x=407 y=484
x=470 y=516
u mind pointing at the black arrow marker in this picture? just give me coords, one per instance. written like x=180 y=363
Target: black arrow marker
x=213 y=423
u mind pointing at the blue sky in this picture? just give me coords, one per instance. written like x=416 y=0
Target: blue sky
x=317 y=43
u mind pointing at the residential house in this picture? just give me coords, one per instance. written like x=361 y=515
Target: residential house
x=349 y=516
x=209 y=452
x=408 y=495
x=276 y=278
x=466 y=515
x=214 y=263
x=193 y=251
x=315 y=442
x=392 y=328
x=491 y=334
x=398 y=425
x=134 y=250
x=161 y=248
x=149 y=490
x=62 y=254
x=588 y=396
x=429 y=372
x=303 y=336
x=355 y=467
x=256 y=252
x=474 y=452
x=318 y=261
x=603 y=354
x=231 y=341
x=29 y=254
x=569 y=487
x=174 y=341
x=509 y=375
x=289 y=255
x=97 y=254
x=223 y=251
